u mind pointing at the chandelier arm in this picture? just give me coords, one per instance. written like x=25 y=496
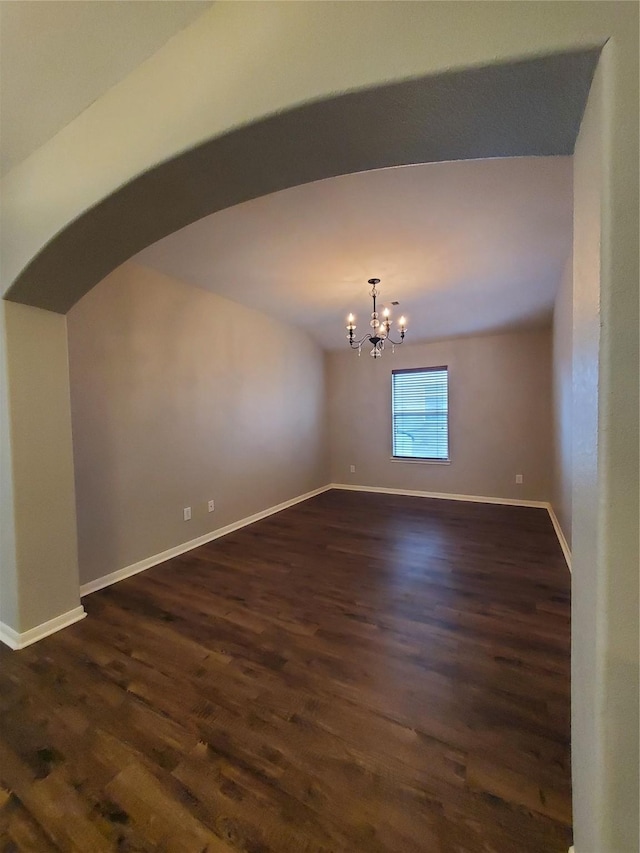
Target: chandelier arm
x=395 y=343
x=354 y=344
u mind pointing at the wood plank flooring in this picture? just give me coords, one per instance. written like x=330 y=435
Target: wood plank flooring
x=359 y=673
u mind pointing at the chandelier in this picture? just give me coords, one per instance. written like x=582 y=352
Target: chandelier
x=381 y=333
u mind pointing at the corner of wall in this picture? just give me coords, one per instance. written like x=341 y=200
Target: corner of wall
x=46 y=560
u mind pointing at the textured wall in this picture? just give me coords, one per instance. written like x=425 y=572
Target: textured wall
x=499 y=416
x=563 y=400
x=605 y=466
x=42 y=463
x=178 y=397
x=8 y=557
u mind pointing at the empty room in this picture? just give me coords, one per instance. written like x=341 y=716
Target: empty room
x=319 y=427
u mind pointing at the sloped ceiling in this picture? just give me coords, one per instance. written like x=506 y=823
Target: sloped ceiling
x=58 y=56
x=465 y=247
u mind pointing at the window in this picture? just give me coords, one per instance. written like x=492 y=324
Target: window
x=420 y=412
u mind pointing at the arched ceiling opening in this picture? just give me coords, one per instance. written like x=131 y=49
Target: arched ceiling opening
x=526 y=108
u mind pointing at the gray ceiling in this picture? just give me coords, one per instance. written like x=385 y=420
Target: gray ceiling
x=465 y=247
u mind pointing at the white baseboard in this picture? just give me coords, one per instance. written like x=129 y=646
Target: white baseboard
x=561 y=539
x=474 y=499
x=572 y=850
x=148 y=562
x=156 y=559
x=483 y=499
x=16 y=640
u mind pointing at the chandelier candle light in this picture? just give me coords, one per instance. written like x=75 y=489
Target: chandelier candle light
x=381 y=327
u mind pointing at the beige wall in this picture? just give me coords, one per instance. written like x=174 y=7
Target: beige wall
x=499 y=416
x=8 y=568
x=563 y=400
x=42 y=465
x=179 y=397
x=605 y=468
x=588 y=592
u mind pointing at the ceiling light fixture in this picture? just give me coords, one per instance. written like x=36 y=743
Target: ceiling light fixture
x=381 y=327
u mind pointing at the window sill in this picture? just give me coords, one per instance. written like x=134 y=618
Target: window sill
x=421 y=461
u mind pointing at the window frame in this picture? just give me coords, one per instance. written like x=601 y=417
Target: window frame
x=422 y=460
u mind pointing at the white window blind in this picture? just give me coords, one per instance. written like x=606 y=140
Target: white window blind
x=420 y=407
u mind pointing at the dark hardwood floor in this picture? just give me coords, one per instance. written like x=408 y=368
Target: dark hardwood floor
x=357 y=673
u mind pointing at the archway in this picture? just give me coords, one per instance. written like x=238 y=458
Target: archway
x=80 y=255
x=526 y=108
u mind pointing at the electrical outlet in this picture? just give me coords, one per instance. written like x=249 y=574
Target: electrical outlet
x=186 y=512
x=352 y=468
x=519 y=478
x=211 y=506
